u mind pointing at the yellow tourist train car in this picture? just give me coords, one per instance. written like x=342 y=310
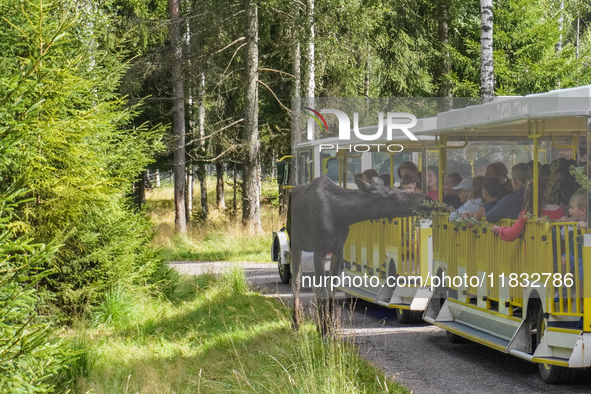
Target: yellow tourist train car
x=374 y=250
x=517 y=297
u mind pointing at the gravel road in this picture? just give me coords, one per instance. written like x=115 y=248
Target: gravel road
x=418 y=356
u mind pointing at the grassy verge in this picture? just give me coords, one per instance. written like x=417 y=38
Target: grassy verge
x=212 y=335
x=221 y=238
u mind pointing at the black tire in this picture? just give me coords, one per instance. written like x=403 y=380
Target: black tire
x=455 y=338
x=406 y=316
x=284 y=272
x=551 y=374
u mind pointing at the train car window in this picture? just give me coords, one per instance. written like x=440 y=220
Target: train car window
x=304 y=167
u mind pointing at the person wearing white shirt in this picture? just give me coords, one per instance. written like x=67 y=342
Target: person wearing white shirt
x=470 y=193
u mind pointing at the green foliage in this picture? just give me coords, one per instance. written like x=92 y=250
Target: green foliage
x=30 y=355
x=77 y=149
x=208 y=338
x=582 y=177
x=115 y=308
x=526 y=35
x=236 y=281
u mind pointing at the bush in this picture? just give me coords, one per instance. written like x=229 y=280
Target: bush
x=77 y=146
x=30 y=355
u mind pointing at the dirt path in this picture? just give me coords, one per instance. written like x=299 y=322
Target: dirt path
x=418 y=356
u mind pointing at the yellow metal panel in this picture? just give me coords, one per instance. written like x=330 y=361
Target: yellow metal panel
x=551 y=362
x=424 y=234
x=587 y=286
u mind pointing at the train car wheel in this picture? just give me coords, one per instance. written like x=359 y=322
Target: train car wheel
x=551 y=374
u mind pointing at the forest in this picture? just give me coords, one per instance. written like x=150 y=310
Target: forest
x=99 y=101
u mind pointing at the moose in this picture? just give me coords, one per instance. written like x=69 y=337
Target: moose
x=319 y=216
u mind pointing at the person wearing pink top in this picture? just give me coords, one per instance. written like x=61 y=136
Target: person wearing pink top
x=553 y=212
x=433 y=182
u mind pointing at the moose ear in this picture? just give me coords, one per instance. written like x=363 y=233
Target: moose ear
x=362 y=185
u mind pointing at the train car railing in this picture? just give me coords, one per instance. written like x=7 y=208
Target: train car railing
x=499 y=272
x=385 y=248
x=567 y=240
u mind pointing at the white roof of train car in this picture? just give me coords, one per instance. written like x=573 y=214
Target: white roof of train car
x=564 y=110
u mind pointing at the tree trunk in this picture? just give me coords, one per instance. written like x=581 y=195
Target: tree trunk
x=189 y=195
x=445 y=86
x=311 y=70
x=180 y=218
x=296 y=89
x=578 y=33
x=310 y=54
x=219 y=186
x=203 y=191
x=191 y=90
x=251 y=214
x=234 y=188
x=201 y=171
x=560 y=27
x=367 y=81
x=487 y=79
x=139 y=191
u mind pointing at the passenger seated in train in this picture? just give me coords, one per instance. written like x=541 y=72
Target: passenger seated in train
x=567 y=184
x=470 y=193
x=552 y=211
x=498 y=170
x=410 y=168
x=433 y=182
x=409 y=184
x=491 y=193
x=511 y=205
x=577 y=209
x=546 y=170
x=386 y=179
x=450 y=196
x=480 y=167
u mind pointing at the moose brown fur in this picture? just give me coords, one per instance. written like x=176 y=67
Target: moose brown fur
x=319 y=216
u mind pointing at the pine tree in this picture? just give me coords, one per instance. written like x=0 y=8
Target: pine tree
x=77 y=145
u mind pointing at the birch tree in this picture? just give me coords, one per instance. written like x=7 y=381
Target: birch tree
x=445 y=82
x=251 y=214
x=487 y=79
x=180 y=219
x=311 y=71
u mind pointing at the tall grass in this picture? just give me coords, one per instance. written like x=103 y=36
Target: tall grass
x=209 y=334
x=213 y=335
x=116 y=308
x=222 y=237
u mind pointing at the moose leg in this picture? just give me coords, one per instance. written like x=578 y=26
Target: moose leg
x=321 y=291
x=336 y=271
x=296 y=269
